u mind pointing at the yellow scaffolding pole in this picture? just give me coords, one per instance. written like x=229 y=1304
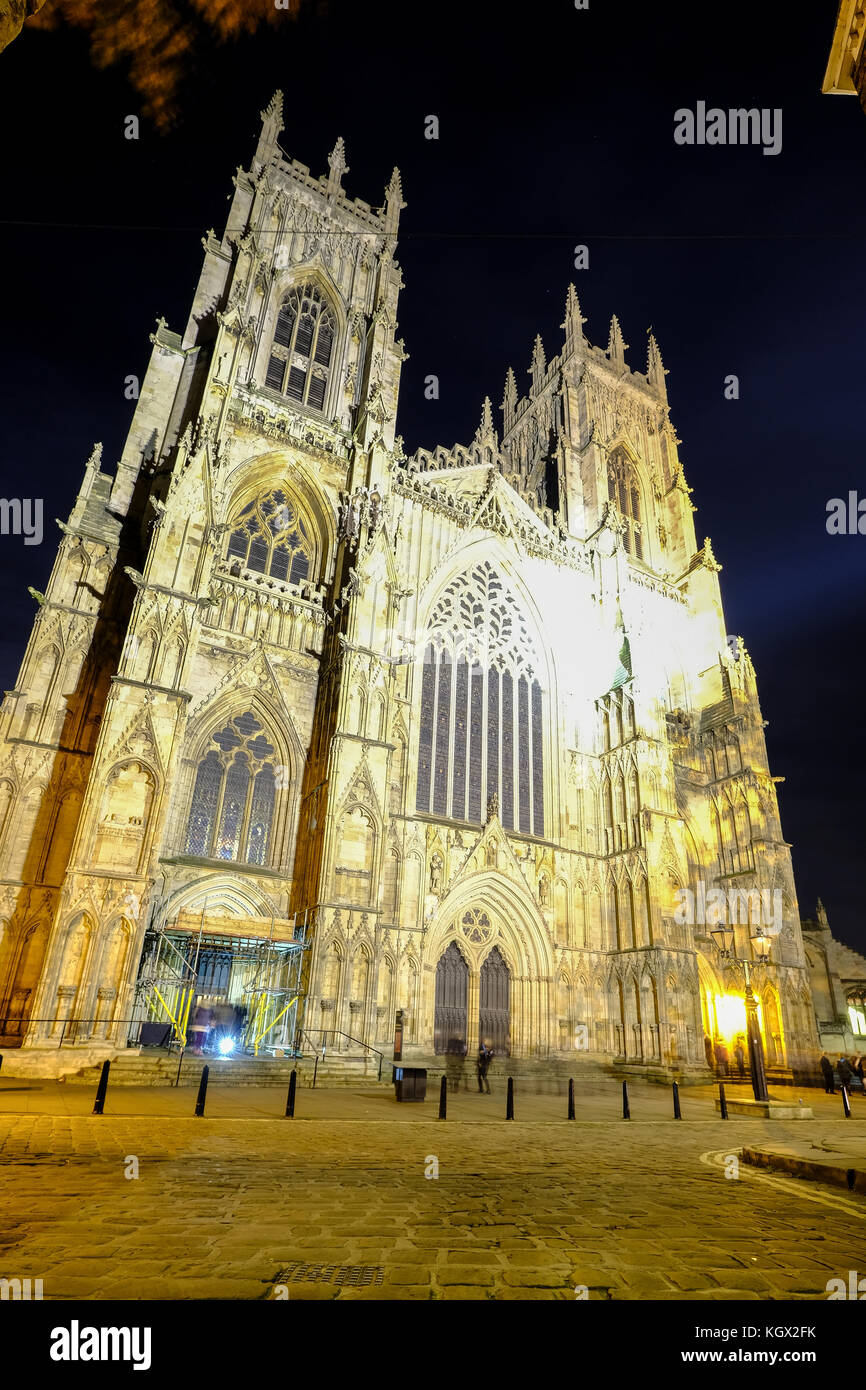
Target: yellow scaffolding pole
x=186 y=1014
x=273 y=1023
x=167 y=1009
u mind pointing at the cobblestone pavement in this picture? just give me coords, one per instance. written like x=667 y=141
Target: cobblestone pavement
x=529 y=1209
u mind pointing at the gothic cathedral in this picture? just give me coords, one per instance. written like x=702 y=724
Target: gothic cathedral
x=460 y=733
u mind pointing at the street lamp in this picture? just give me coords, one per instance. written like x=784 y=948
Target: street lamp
x=723 y=936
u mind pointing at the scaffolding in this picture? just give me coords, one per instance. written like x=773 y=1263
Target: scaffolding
x=170 y=978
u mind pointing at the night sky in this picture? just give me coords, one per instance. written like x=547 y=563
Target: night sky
x=556 y=128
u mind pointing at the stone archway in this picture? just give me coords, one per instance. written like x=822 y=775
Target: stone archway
x=484 y=912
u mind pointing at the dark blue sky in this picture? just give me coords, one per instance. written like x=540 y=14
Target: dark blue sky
x=556 y=128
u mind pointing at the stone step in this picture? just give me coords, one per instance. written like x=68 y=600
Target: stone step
x=162 y=1070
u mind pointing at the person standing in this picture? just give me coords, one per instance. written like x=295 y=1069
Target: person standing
x=483 y=1066
x=721 y=1057
x=827 y=1073
x=708 y=1049
x=740 y=1055
x=844 y=1072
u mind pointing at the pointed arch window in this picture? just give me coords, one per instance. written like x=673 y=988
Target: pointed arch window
x=481 y=708
x=301 y=355
x=624 y=492
x=232 y=810
x=271 y=537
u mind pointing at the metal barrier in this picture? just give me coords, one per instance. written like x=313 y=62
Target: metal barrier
x=337 y=1033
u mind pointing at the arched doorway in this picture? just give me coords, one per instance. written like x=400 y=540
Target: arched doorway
x=450 y=1031
x=494 y=1015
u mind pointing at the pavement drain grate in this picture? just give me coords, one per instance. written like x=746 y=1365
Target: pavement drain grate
x=357 y=1276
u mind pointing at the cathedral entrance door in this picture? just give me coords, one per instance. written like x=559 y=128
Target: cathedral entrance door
x=452 y=990
x=494 y=1012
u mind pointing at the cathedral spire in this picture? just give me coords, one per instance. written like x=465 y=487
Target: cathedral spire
x=656 y=371
x=394 y=201
x=486 y=434
x=538 y=366
x=615 y=345
x=91 y=472
x=272 y=126
x=509 y=401
x=338 y=167
x=574 y=321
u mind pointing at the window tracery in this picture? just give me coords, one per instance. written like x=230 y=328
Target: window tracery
x=232 y=809
x=269 y=536
x=624 y=492
x=302 y=348
x=481 y=711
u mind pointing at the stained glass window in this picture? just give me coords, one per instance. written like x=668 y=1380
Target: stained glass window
x=232 y=810
x=479 y=736
x=270 y=537
x=303 y=344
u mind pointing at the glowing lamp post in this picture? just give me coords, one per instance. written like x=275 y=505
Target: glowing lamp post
x=723 y=936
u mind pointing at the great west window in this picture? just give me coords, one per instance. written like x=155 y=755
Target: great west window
x=481 y=708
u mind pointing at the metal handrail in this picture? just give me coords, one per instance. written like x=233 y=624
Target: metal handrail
x=24 y=1024
x=338 y=1033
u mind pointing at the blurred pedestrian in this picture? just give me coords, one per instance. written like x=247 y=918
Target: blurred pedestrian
x=482 y=1066
x=827 y=1073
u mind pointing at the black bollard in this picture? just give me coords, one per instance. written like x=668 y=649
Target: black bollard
x=202 y=1091
x=509 y=1104
x=723 y=1104
x=571 y=1098
x=677 y=1111
x=101 y=1089
x=443 y=1098
x=626 y=1112
x=845 y=1106
x=290 y=1102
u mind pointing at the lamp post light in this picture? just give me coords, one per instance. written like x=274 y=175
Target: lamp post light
x=723 y=936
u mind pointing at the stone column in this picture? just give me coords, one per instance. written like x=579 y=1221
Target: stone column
x=65 y=997
x=473 y=1011
x=104 y=999
x=327 y=1021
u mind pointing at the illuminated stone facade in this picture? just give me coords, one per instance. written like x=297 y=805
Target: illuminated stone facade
x=473 y=714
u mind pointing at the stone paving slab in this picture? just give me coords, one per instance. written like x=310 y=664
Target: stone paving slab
x=525 y=1209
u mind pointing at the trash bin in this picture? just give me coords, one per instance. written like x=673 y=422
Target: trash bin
x=410 y=1083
